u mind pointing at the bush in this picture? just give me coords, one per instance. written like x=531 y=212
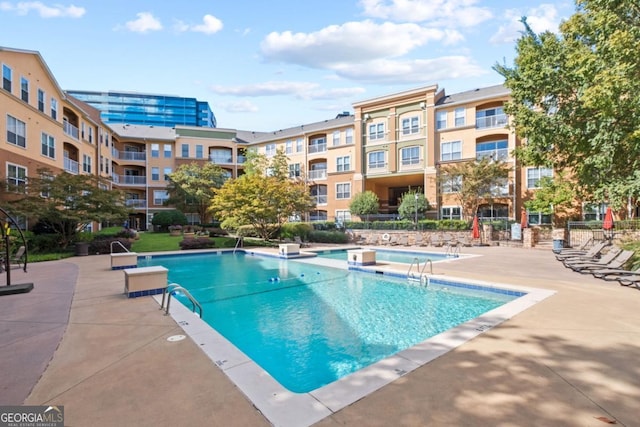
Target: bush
x=319 y=236
x=103 y=245
x=44 y=243
x=199 y=243
x=453 y=224
x=292 y=229
x=164 y=219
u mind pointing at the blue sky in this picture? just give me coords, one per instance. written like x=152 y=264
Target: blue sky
x=269 y=65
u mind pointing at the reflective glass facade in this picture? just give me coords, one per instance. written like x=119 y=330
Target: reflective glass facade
x=146 y=109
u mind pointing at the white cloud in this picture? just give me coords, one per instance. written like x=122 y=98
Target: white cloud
x=210 y=25
x=542 y=18
x=412 y=71
x=242 y=106
x=146 y=22
x=301 y=90
x=352 y=42
x=56 y=11
x=456 y=13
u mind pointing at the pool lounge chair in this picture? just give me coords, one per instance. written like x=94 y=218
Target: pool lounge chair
x=614 y=262
x=420 y=240
x=630 y=280
x=587 y=255
x=584 y=247
x=603 y=260
x=612 y=274
x=299 y=241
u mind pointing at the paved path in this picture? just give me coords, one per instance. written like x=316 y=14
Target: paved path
x=568 y=361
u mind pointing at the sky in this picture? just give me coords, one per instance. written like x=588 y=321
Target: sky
x=266 y=65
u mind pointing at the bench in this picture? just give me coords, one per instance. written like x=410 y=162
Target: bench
x=145 y=281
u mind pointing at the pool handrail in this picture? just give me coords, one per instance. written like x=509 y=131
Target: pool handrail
x=119 y=243
x=173 y=287
x=417 y=262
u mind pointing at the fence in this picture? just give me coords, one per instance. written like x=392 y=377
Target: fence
x=582 y=231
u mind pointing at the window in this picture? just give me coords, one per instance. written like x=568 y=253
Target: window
x=534 y=175
x=343 y=163
x=594 y=212
x=54 y=109
x=16 y=132
x=17 y=178
x=343 y=216
x=155 y=150
x=155 y=174
x=410 y=125
x=24 y=89
x=270 y=149
x=451 y=150
x=90 y=129
x=159 y=197
x=460 y=116
x=199 y=152
x=318 y=145
x=294 y=170
x=288 y=148
x=441 y=120
x=495 y=150
x=348 y=136
x=319 y=194
x=336 y=138
x=6 y=78
x=376 y=160
x=185 y=150
x=410 y=155
x=299 y=144
x=48 y=146
x=41 y=97
x=490 y=118
x=167 y=172
x=453 y=184
x=343 y=191
x=46 y=188
x=376 y=131
x=167 y=151
x=537 y=218
x=82 y=130
x=450 y=212
x=86 y=163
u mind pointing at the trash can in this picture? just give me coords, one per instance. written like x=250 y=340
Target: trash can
x=558 y=244
x=82 y=249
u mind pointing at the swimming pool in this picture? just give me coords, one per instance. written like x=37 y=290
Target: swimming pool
x=309 y=325
x=406 y=257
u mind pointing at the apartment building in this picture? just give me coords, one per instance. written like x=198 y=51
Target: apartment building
x=389 y=145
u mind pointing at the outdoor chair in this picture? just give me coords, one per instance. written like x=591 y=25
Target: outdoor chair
x=630 y=280
x=586 y=255
x=612 y=274
x=614 y=262
x=603 y=260
x=17 y=258
x=299 y=241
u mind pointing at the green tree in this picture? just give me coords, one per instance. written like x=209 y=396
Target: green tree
x=554 y=196
x=575 y=97
x=475 y=182
x=192 y=186
x=264 y=197
x=364 y=204
x=411 y=200
x=66 y=202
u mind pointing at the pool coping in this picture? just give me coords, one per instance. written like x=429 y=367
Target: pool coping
x=285 y=408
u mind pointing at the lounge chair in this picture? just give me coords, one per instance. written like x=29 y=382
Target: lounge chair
x=630 y=280
x=582 y=249
x=612 y=274
x=615 y=261
x=299 y=241
x=420 y=240
x=437 y=240
x=403 y=240
x=18 y=257
x=587 y=255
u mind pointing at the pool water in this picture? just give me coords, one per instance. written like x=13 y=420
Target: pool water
x=309 y=325
x=406 y=257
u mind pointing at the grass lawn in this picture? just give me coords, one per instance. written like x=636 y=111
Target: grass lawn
x=156 y=242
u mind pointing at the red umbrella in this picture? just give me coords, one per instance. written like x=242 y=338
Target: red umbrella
x=475 y=229
x=607 y=224
x=524 y=223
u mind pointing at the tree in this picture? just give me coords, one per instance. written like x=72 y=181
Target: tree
x=264 y=197
x=555 y=196
x=364 y=204
x=475 y=182
x=575 y=97
x=66 y=202
x=192 y=186
x=411 y=200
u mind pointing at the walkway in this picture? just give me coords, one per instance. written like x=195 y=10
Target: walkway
x=569 y=361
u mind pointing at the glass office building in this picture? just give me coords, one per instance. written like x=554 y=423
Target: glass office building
x=147 y=109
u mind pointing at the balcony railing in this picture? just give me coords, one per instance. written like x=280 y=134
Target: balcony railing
x=502 y=154
x=129 y=179
x=320 y=200
x=129 y=155
x=317 y=148
x=220 y=158
x=70 y=130
x=242 y=159
x=71 y=166
x=317 y=174
x=499 y=120
x=135 y=203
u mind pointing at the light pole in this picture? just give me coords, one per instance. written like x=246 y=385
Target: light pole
x=416 y=195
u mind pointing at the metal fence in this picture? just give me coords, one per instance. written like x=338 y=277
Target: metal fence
x=580 y=232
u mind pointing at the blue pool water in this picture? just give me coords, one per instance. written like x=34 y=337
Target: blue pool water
x=406 y=257
x=308 y=325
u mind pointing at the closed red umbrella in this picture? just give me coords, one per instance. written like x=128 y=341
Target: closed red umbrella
x=475 y=229
x=524 y=223
x=607 y=224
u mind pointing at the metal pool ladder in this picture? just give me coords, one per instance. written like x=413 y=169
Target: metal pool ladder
x=120 y=244
x=170 y=289
x=419 y=275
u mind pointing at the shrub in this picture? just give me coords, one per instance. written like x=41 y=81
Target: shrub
x=199 y=243
x=164 y=219
x=453 y=224
x=320 y=236
x=292 y=229
x=44 y=243
x=103 y=245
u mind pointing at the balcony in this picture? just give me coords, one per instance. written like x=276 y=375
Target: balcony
x=501 y=154
x=70 y=130
x=221 y=159
x=71 y=166
x=135 y=203
x=320 y=200
x=317 y=174
x=129 y=179
x=499 y=120
x=317 y=148
x=137 y=156
x=242 y=159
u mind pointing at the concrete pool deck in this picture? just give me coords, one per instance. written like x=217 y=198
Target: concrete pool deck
x=571 y=360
